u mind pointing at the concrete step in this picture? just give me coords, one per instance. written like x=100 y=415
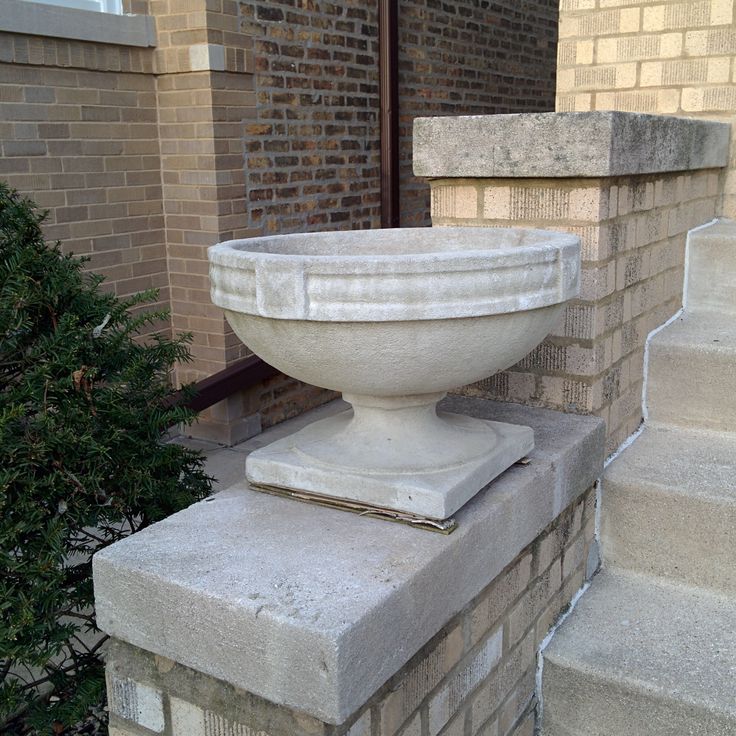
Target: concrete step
x=669 y=507
x=711 y=271
x=692 y=372
x=640 y=657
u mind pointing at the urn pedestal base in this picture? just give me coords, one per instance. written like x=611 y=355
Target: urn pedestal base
x=394 y=453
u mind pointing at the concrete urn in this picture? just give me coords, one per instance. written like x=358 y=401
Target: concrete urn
x=393 y=319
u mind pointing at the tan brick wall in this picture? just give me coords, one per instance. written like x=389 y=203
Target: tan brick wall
x=633 y=232
x=78 y=130
x=651 y=56
x=138 y=154
x=476 y=676
x=206 y=98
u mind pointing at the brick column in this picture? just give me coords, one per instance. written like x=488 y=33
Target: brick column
x=631 y=187
x=205 y=98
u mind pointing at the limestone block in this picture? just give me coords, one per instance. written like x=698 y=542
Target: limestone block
x=136 y=702
x=547 y=145
x=446 y=702
x=493 y=691
x=573 y=102
x=710 y=42
x=414 y=728
x=419 y=681
x=533 y=602
x=458 y=202
x=661 y=101
x=362 y=727
x=505 y=590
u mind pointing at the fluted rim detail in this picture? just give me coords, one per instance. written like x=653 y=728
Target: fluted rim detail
x=400 y=274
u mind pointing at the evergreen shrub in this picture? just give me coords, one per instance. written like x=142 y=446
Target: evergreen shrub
x=84 y=407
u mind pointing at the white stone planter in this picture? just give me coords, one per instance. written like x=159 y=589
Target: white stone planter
x=393 y=319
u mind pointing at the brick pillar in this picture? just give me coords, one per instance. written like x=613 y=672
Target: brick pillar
x=273 y=643
x=630 y=198
x=205 y=98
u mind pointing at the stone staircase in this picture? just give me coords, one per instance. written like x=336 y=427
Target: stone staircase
x=650 y=649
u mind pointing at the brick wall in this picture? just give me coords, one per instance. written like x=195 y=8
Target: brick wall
x=79 y=135
x=313 y=148
x=467 y=58
x=476 y=676
x=665 y=57
x=633 y=232
x=246 y=118
x=312 y=152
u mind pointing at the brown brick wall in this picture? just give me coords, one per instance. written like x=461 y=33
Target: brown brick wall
x=470 y=57
x=312 y=157
x=313 y=149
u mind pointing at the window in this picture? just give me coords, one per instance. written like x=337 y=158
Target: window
x=104 y=6
x=99 y=21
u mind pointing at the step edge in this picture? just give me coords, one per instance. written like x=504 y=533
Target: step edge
x=638 y=687
x=658 y=344
x=705 y=432
x=667 y=490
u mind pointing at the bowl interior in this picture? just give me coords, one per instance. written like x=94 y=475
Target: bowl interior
x=404 y=241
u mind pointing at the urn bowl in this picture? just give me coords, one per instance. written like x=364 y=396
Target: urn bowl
x=394 y=319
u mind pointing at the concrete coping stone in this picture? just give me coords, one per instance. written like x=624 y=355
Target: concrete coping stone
x=315 y=608
x=39 y=19
x=566 y=145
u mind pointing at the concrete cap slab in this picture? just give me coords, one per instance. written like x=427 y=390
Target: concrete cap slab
x=315 y=608
x=565 y=145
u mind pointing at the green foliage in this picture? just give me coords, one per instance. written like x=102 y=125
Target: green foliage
x=83 y=408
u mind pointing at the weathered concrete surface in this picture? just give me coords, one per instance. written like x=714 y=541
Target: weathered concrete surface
x=314 y=608
x=692 y=372
x=548 y=145
x=711 y=269
x=669 y=508
x=643 y=658
x=431 y=466
x=388 y=275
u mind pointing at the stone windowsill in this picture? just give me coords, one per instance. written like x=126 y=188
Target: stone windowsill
x=565 y=145
x=37 y=19
x=314 y=608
